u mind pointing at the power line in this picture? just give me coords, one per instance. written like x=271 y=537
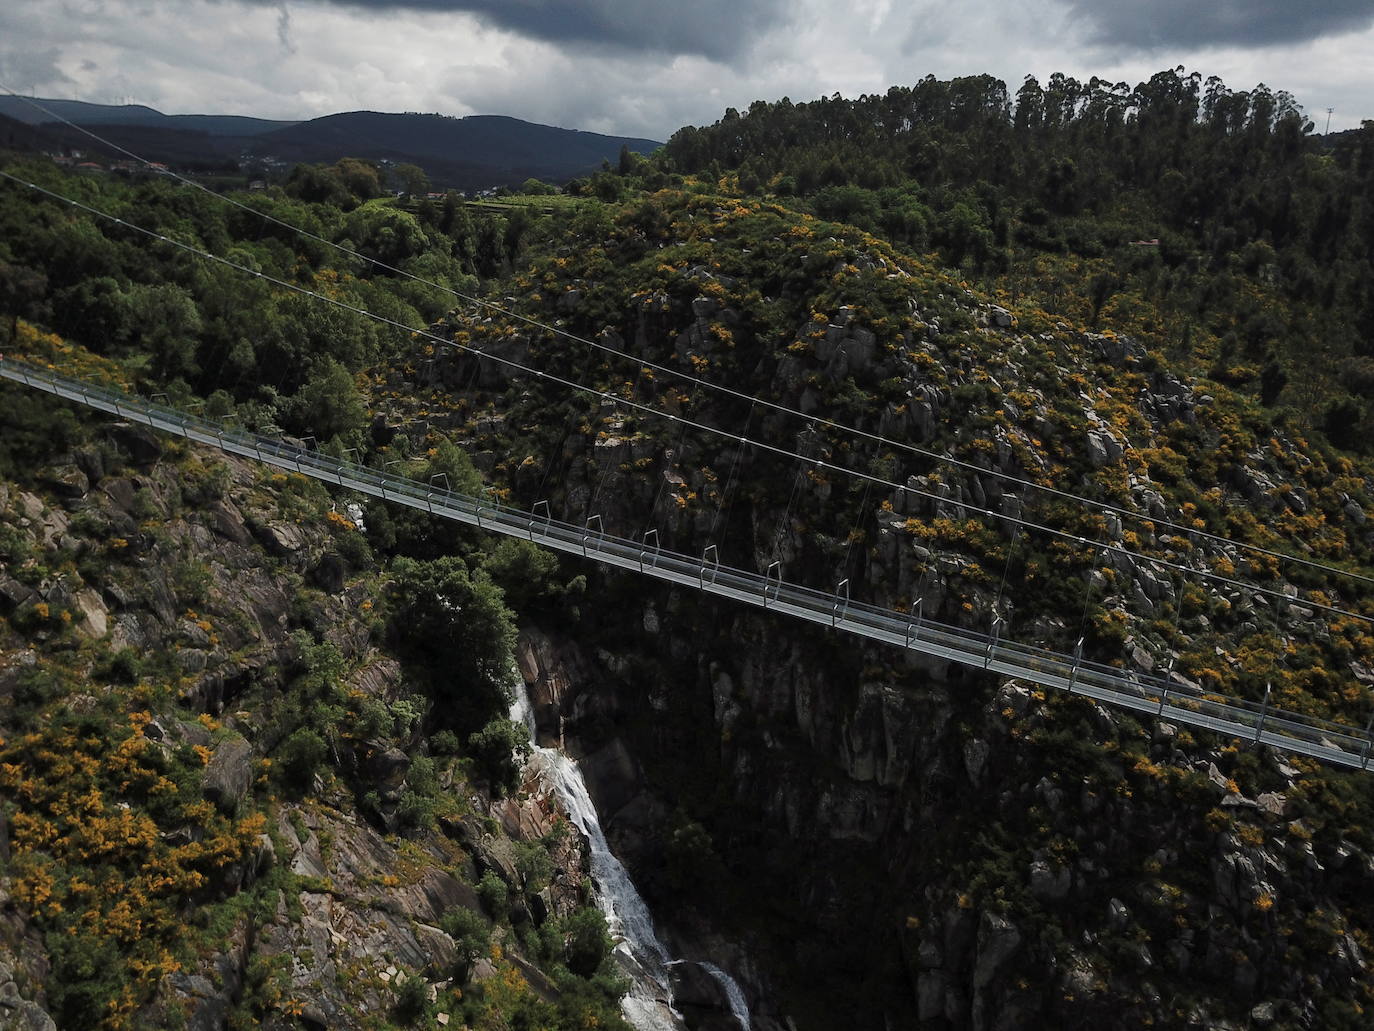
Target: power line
x=1100 y=547
x=1104 y=506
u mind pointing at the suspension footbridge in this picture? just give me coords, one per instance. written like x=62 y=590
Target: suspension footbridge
x=1132 y=690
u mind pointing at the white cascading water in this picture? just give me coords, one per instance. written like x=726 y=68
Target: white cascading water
x=648 y=1004
x=733 y=992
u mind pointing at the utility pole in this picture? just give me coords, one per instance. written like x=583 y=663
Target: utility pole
x=1328 y=120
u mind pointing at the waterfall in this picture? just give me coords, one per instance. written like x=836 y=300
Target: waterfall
x=733 y=992
x=648 y=1004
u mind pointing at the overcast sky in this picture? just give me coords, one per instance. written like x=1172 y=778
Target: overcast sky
x=644 y=68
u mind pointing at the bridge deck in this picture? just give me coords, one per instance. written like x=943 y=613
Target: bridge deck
x=1335 y=743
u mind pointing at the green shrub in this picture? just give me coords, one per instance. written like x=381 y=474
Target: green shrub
x=415 y=811
x=412 y=1000
x=445 y=742
x=494 y=895
x=85 y=978
x=500 y=748
x=588 y=941
x=471 y=935
x=354 y=549
x=301 y=756
x=423 y=776
x=534 y=865
x=123 y=667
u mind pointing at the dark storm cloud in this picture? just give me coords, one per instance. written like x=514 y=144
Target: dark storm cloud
x=1221 y=23
x=716 y=29
x=24 y=67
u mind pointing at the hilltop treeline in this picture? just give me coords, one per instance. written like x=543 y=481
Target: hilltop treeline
x=1210 y=221
x=193 y=325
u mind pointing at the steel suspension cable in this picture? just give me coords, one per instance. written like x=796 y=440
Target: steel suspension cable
x=761 y=445
x=1105 y=506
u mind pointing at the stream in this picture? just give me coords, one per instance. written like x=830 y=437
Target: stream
x=648 y=1006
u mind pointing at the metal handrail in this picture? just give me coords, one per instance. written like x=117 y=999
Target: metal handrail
x=1337 y=743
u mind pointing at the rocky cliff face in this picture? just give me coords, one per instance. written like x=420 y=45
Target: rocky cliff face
x=865 y=839
x=967 y=853
x=188 y=594
x=890 y=839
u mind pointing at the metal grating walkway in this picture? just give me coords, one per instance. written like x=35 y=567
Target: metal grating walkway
x=1335 y=743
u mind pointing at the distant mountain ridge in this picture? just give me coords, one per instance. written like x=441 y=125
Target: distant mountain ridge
x=22 y=109
x=496 y=141
x=466 y=153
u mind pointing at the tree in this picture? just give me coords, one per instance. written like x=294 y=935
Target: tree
x=488 y=253
x=851 y=204
x=362 y=179
x=517 y=226
x=21 y=293
x=456 y=467
x=456 y=625
x=413 y=179
x=471 y=937
x=317 y=184
x=167 y=320
x=588 y=941
x=491 y=890
x=534 y=866
x=500 y=748
x=329 y=405
x=386 y=234
x=301 y=756
x=524 y=571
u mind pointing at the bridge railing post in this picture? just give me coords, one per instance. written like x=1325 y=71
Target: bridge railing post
x=1264 y=708
x=913 y=627
x=841 y=607
x=300 y=451
x=429 y=495
x=1168 y=676
x=646 y=549
x=1077 y=661
x=710 y=558
x=535 y=516
x=386 y=472
x=487 y=492
x=768 y=582
x=1364 y=752
x=993 y=638
x=587 y=531
x=80 y=385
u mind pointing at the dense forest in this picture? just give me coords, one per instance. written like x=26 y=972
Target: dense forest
x=1156 y=297
x=1207 y=221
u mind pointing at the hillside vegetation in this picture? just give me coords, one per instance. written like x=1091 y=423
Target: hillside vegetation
x=1260 y=269
x=878 y=838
